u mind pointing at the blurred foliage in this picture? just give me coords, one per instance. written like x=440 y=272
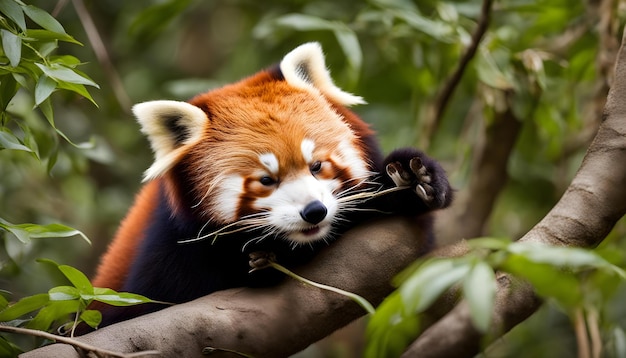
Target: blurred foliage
x=397 y=54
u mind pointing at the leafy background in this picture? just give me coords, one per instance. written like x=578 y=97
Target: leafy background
x=77 y=158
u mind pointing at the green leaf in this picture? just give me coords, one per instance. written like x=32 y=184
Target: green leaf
x=78 y=279
x=304 y=22
x=34 y=231
x=8 y=89
x=54 y=311
x=569 y=257
x=14 y=12
x=4 y=303
x=12 y=46
x=44 y=88
x=351 y=48
x=9 y=141
x=113 y=298
x=548 y=280
x=9 y=349
x=479 y=289
x=64 y=293
x=24 y=306
x=43 y=19
x=91 y=317
x=433 y=278
x=45 y=35
x=80 y=89
x=61 y=73
x=390 y=329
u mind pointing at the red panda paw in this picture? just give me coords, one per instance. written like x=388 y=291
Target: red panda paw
x=260 y=260
x=426 y=182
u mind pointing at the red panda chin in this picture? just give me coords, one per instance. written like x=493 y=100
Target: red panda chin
x=311 y=234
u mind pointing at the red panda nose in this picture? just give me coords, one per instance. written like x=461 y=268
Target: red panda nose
x=314 y=212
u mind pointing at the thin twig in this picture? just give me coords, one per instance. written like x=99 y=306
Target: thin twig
x=102 y=54
x=75 y=343
x=358 y=299
x=442 y=99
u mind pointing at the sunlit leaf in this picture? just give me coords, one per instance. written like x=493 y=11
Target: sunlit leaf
x=91 y=317
x=24 y=306
x=118 y=298
x=63 y=293
x=78 y=279
x=479 y=289
x=12 y=46
x=53 y=311
x=64 y=74
x=34 y=231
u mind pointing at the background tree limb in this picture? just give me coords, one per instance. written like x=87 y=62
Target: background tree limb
x=583 y=217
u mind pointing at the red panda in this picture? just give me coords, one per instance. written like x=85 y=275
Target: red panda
x=274 y=163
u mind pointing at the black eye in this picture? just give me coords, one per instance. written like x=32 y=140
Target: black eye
x=267 y=181
x=316 y=167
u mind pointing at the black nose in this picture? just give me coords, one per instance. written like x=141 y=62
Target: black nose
x=314 y=212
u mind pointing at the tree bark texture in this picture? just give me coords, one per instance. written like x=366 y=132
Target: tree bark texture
x=277 y=321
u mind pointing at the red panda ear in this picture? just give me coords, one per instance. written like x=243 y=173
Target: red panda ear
x=171 y=127
x=305 y=68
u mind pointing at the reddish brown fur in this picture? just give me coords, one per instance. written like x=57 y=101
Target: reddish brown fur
x=261 y=115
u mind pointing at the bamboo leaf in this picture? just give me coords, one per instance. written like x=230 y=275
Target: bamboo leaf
x=14 y=12
x=12 y=46
x=479 y=289
x=44 y=88
x=43 y=19
x=64 y=74
x=9 y=141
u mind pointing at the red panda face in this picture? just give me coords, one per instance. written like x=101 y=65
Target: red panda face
x=269 y=153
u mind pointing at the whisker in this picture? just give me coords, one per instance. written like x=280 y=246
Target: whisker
x=371 y=195
x=245 y=223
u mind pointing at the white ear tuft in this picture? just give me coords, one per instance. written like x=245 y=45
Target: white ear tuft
x=305 y=68
x=171 y=126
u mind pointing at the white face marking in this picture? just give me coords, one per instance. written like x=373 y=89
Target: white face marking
x=307 y=148
x=270 y=162
x=289 y=200
x=227 y=197
x=350 y=157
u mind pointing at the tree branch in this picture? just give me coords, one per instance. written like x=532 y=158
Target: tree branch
x=277 y=321
x=442 y=99
x=586 y=213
